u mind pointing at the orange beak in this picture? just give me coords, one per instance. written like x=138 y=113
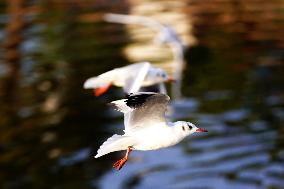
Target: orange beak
x=171 y=79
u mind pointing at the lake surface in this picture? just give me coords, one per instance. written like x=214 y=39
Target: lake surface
x=50 y=128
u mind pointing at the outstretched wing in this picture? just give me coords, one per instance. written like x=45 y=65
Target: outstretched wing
x=139 y=72
x=143 y=109
x=131 y=19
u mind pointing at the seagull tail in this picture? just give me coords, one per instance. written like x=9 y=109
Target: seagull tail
x=114 y=143
x=100 y=81
x=96 y=82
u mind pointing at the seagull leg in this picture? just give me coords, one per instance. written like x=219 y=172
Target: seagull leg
x=119 y=164
x=101 y=90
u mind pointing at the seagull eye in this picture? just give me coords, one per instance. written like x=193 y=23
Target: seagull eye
x=190 y=127
x=183 y=128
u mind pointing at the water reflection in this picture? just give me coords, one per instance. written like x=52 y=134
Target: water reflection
x=233 y=87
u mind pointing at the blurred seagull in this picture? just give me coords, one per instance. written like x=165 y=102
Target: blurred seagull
x=131 y=78
x=146 y=127
x=165 y=35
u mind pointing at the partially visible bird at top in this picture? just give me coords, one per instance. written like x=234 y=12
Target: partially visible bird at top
x=146 y=127
x=131 y=78
x=165 y=33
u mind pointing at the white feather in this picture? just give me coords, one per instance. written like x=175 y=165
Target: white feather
x=120 y=105
x=102 y=80
x=115 y=143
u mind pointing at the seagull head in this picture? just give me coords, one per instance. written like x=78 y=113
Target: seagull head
x=187 y=128
x=158 y=75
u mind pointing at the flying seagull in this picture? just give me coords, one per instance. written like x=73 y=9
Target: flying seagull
x=146 y=127
x=165 y=35
x=131 y=78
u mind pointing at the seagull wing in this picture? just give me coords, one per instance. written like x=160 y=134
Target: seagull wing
x=143 y=109
x=131 y=19
x=133 y=84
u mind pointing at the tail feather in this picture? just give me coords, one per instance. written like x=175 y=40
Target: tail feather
x=96 y=82
x=100 y=81
x=114 y=143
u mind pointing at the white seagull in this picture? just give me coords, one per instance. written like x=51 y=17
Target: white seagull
x=131 y=78
x=146 y=127
x=165 y=35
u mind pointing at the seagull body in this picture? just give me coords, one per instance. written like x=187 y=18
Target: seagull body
x=146 y=127
x=131 y=78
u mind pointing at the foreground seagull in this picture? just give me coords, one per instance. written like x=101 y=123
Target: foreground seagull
x=146 y=127
x=131 y=78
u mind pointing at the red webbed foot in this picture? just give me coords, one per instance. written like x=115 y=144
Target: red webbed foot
x=101 y=90
x=119 y=164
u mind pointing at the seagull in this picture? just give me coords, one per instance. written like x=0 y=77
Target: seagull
x=146 y=127
x=131 y=78
x=165 y=35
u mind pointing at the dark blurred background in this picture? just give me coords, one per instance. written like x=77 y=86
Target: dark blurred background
x=50 y=128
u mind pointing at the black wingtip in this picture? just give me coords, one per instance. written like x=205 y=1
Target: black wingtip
x=137 y=100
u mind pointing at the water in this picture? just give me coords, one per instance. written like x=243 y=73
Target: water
x=233 y=87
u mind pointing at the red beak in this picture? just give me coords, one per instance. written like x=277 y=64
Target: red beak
x=201 y=130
